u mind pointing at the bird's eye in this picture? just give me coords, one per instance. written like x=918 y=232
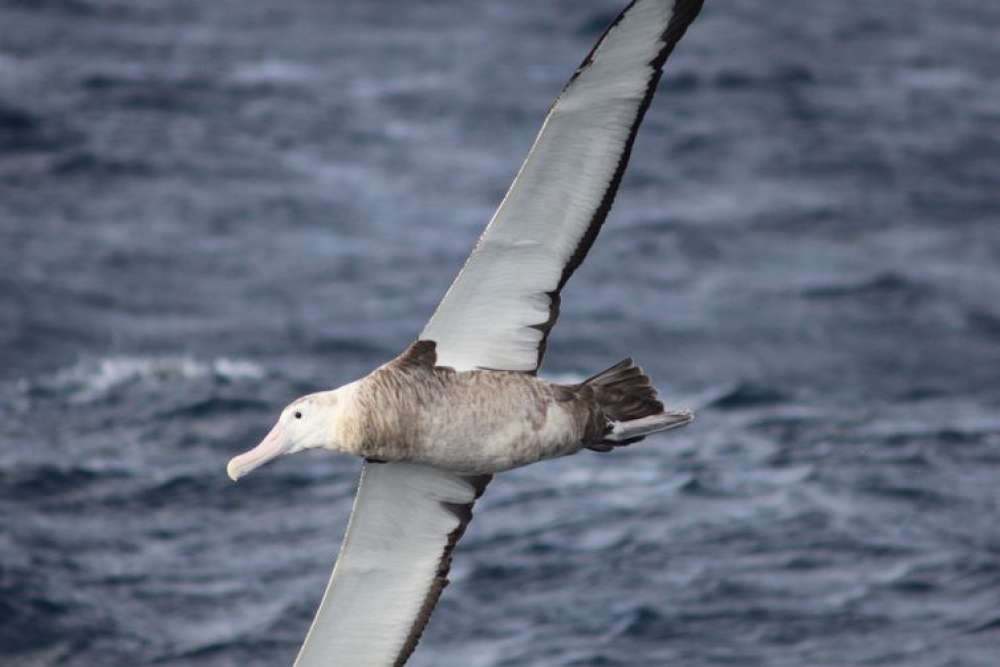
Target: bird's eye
x=298 y=415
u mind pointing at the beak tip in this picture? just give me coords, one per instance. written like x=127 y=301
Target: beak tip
x=273 y=445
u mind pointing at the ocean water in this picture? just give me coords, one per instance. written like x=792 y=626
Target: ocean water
x=209 y=208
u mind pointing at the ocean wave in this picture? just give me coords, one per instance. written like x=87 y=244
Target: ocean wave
x=880 y=284
x=272 y=73
x=90 y=381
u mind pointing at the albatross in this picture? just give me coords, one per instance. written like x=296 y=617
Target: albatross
x=464 y=401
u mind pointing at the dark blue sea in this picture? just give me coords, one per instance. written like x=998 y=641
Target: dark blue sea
x=210 y=208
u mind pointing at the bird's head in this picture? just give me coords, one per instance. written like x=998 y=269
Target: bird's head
x=307 y=423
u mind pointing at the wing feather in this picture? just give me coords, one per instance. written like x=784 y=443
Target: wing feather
x=500 y=309
x=392 y=565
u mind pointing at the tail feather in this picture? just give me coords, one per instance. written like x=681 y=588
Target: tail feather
x=629 y=401
x=624 y=392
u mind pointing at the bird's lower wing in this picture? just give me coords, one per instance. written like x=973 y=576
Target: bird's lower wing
x=392 y=565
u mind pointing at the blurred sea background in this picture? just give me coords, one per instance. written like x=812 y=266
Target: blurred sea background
x=210 y=208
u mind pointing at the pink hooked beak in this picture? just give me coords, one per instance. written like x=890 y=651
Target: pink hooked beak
x=272 y=446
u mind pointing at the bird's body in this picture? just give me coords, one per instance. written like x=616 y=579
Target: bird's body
x=474 y=422
x=468 y=421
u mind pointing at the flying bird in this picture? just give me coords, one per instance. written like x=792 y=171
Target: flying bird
x=464 y=401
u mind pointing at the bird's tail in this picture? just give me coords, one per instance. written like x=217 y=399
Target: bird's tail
x=628 y=399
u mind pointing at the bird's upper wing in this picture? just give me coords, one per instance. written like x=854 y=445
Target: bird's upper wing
x=497 y=314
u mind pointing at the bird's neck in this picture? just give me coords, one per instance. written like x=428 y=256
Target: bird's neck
x=347 y=430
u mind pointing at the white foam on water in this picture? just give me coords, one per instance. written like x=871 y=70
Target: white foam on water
x=88 y=381
x=273 y=72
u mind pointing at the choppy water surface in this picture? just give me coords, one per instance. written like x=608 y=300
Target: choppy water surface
x=208 y=208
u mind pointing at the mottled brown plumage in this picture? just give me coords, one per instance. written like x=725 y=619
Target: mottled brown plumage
x=485 y=421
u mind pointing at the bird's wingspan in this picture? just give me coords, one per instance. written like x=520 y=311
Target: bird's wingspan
x=392 y=566
x=498 y=312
